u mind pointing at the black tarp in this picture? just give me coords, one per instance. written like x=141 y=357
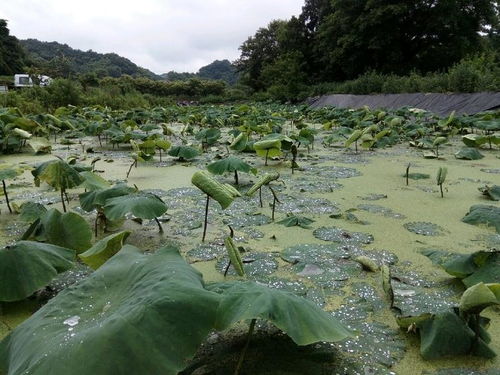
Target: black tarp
x=440 y=104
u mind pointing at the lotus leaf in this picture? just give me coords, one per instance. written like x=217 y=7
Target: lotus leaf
x=184 y=152
x=147 y=314
x=480 y=296
x=28 y=266
x=31 y=211
x=104 y=249
x=482 y=266
x=492 y=192
x=292 y=220
x=97 y=199
x=469 y=153
x=68 y=230
x=140 y=204
x=58 y=174
x=94 y=182
x=483 y=214
x=474 y=140
x=230 y=164
x=208 y=136
x=240 y=142
x=40 y=145
x=264 y=180
x=224 y=194
x=290 y=313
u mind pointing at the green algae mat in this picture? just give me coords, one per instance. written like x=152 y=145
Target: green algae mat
x=316 y=259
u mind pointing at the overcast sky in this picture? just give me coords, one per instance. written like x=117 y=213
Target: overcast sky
x=160 y=35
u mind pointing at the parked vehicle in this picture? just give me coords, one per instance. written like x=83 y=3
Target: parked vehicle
x=25 y=80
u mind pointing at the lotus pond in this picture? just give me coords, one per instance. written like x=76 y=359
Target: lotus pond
x=249 y=239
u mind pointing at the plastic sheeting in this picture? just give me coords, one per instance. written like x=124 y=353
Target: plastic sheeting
x=440 y=104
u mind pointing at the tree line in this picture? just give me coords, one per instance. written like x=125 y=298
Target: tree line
x=341 y=40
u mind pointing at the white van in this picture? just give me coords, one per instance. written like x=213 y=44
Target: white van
x=24 y=80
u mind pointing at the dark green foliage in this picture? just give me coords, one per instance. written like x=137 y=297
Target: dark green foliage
x=334 y=41
x=12 y=57
x=28 y=266
x=156 y=292
x=51 y=56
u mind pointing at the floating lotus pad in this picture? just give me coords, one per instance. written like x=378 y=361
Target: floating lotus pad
x=334 y=234
x=424 y=228
x=376 y=344
x=255 y=265
x=206 y=252
x=376 y=209
x=246 y=220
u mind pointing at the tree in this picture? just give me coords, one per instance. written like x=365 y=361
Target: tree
x=12 y=56
x=258 y=51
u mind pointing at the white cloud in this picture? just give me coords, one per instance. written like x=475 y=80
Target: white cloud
x=180 y=35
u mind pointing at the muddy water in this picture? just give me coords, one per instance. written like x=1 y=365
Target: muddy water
x=378 y=197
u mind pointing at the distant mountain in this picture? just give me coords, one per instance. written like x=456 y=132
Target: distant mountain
x=219 y=69
x=45 y=54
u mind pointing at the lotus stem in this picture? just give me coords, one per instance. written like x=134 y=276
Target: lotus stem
x=247 y=344
x=267 y=153
x=206 y=219
x=408 y=174
x=6 y=196
x=441 y=188
x=275 y=199
x=62 y=200
x=130 y=169
x=159 y=224
x=260 y=197
x=236 y=177
x=160 y=154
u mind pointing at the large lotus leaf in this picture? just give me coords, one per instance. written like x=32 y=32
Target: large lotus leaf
x=224 y=194
x=28 y=266
x=474 y=140
x=269 y=144
x=208 y=136
x=40 y=145
x=353 y=137
x=230 y=164
x=447 y=334
x=269 y=152
x=104 y=249
x=492 y=192
x=469 y=153
x=94 y=182
x=480 y=296
x=58 y=174
x=142 y=205
x=137 y=314
x=240 y=142
x=483 y=214
x=184 y=152
x=264 y=180
x=482 y=266
x=97 y=198
x=30 y=211
x=9 y=172
x=67 y=230
x=488 y=272
x=300 y=319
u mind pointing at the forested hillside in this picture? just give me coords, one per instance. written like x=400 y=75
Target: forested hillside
x=219 y=70
x=61 y=60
